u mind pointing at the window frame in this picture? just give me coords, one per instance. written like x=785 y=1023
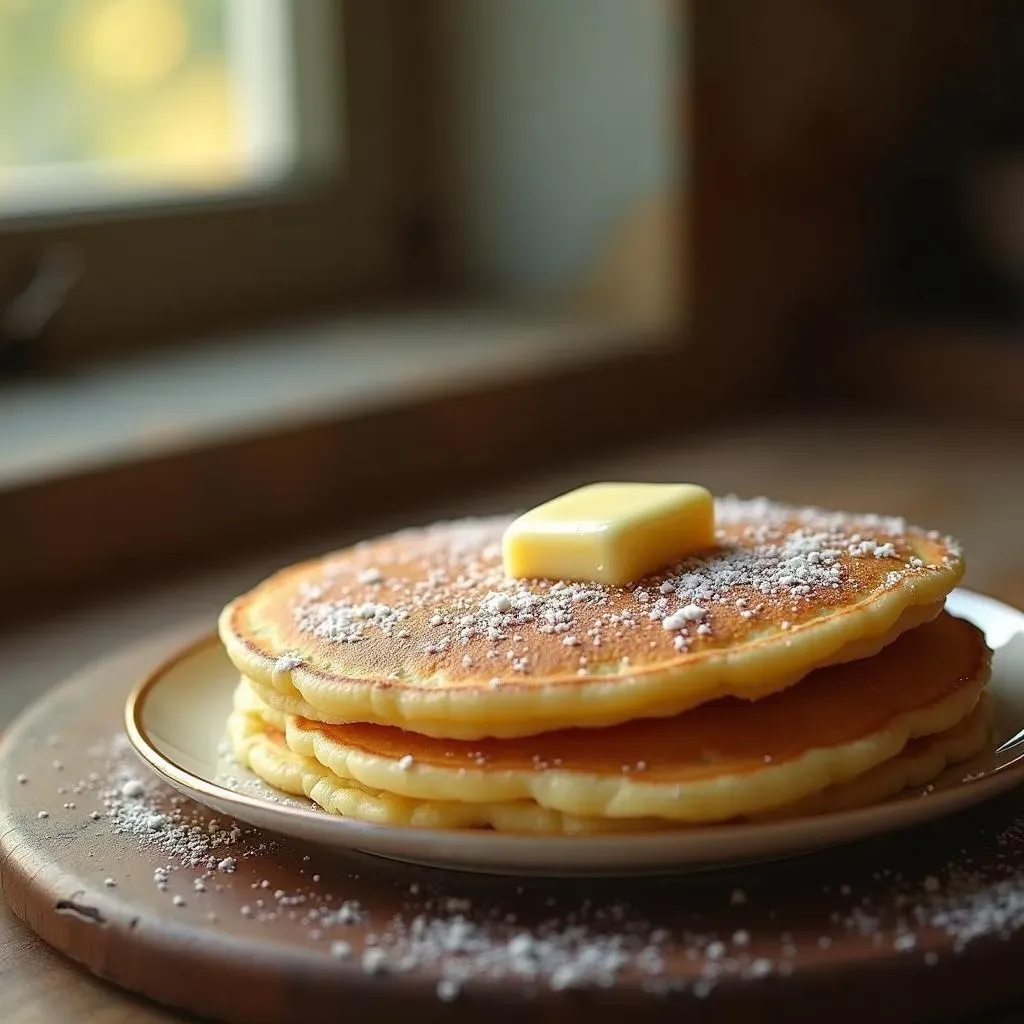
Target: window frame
x=170 y=268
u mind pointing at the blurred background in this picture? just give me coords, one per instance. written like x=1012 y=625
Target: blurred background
x=122 y=97
x=275 y=275
x=279 y=275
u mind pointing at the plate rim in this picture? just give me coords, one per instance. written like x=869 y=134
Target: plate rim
x=187 y=782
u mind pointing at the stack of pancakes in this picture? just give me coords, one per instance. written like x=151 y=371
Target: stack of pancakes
x=804 y=664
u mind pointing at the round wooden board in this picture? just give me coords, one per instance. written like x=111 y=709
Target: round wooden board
x=879 y=924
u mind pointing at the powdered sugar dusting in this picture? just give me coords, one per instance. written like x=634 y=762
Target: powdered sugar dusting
x=556 y=954
x=446 y=589
x=347 y=623
x=144 y=811
x=684 y=935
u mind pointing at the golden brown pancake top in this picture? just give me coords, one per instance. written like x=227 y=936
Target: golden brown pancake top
x=432 y=609
x=832 y=706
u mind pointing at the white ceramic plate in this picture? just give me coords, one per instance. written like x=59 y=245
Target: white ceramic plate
x=175 y=719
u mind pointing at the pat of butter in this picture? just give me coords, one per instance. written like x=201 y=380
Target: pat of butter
x=610 y=533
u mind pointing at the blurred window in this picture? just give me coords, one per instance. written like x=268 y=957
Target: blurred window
x=195 y=163
x=116 y=101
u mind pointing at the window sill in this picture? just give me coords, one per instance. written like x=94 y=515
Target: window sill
x=130 y=467
x=273 y=381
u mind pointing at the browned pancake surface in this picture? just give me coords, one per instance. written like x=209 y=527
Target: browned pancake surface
x=432 y=609
x=832 y=706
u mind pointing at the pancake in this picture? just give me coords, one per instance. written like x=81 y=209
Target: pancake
x=919 y=762
x=263 y=749
x=422 y=630
x=722 y=760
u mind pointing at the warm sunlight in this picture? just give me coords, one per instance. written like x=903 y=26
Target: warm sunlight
x=106 y=97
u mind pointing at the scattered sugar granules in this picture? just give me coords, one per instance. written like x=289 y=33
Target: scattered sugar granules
x=581 y=939
x=458 y=593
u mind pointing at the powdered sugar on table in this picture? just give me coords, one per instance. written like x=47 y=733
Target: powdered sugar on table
x=685 y=935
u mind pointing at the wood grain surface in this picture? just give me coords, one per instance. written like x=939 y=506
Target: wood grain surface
x=253 y=944
x=968 y=482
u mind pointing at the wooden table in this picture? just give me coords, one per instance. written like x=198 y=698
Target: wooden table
x=967 y=482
